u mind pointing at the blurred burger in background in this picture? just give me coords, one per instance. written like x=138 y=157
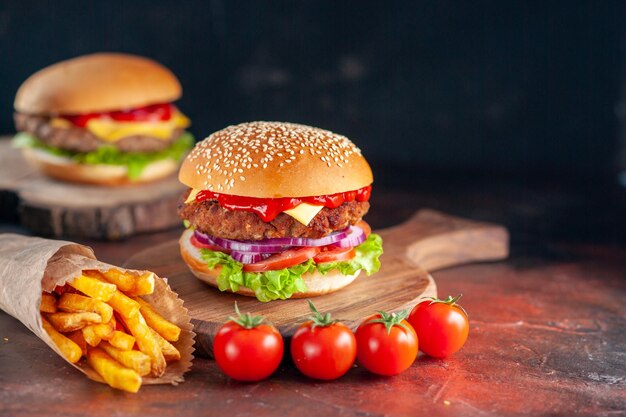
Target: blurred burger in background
x=104 y=118
x=275 y=211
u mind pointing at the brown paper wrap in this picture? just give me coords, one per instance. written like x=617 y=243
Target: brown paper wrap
x=29 y=265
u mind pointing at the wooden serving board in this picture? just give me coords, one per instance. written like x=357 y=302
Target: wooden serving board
x=428 y=241
x=53 y=208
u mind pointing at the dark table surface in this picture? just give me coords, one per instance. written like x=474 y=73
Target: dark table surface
x=547 y=336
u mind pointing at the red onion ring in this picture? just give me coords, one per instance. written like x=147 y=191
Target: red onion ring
x=249 y=252
x=271 y=245
x=355 y=237
x=249 y=257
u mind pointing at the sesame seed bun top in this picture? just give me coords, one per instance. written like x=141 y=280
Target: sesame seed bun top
x=275 y=159
x=97 y=83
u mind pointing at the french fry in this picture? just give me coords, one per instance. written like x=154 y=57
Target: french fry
x=48 y=303
x=133 y=359
x=68 y=322
x=122 y=341
x=167 y=329
x=119 y=323
x=76 y=303
x=62 y=289
x=77 y=337
x=90 y=337
x=94 y=288
x=147 y=343
x=69 y=349
x=93 y=273
x=144 y=285
x=124 y=282
x=170 y=353
x=94 y=333
x=124 y=305
x=101 y=316
x=116 y=375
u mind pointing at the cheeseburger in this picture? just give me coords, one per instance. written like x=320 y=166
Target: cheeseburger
x=104 y=119
x=274 y=210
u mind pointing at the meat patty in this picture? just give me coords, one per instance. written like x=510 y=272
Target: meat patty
x=210 y=218
x=77 y=139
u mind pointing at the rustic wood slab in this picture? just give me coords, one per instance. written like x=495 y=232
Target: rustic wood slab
x=428 y=241
x=53 y=208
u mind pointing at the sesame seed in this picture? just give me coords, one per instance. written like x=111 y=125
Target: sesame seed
x=237 y=149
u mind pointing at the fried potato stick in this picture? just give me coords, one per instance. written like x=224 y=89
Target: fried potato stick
x=115 y=374
x=69 y=349
x=165 y=328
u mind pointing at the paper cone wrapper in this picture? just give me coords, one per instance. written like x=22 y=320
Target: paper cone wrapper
x=29 y=265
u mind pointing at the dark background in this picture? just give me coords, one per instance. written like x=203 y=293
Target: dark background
x=517 y=89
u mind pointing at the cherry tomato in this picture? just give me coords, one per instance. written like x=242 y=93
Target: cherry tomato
x=195 y=242
x=334 y=254
x=441 y=325
x=323 y=348
x=386 y=343
x=365 y=226
x=283 y=260
x=247 y=350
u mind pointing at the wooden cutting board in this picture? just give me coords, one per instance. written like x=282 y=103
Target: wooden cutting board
x=54 y=208
x=428 y=241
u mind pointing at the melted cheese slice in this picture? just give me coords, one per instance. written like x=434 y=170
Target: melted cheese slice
x=303 y=212
x=112 y=130
x=192 y=195
x=60 y=123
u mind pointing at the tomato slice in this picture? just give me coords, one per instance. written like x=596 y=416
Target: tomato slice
x=366 y=227
x=195 y=242
x=283 y=260
x=334 y=254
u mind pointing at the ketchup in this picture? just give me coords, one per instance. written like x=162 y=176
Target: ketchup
x=151 y=113
x=269 y=208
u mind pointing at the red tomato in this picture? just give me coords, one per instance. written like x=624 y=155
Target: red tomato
x=247 y=350
x=283 y=260
x=334 y=254
x=323 y=348
x=386 y=343
x=195 y=242
x=441 y=325
x=365 y=226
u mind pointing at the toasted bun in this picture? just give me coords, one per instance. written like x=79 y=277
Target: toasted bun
x=273 y=159
x=316 y=283
x=96 y=83
x=67 y=170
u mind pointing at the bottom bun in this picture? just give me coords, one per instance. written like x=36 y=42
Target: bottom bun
x=65 y=169
x=316 y=283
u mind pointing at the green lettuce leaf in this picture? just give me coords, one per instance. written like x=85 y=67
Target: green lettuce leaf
x=283 y=283
x=110 y=155
x=367 y=254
